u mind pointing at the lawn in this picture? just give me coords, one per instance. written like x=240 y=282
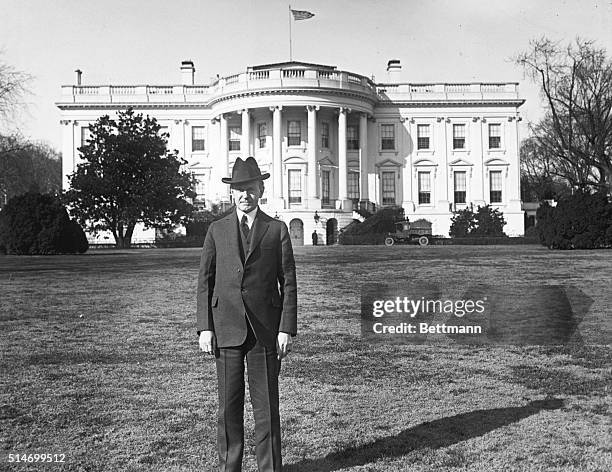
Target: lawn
x=99 y=362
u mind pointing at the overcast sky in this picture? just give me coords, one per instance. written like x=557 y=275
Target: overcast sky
x=143 y=42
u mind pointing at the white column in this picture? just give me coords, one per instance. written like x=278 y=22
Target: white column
x=224 y=154
x=68 y=152
x=342 y=166
x=245 y=142
x=311 y=189
x=363 y=157
x=277 y=141
x=478 y=149
x=216 y=187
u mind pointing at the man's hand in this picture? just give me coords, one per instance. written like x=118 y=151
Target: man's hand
x=208 y=341
x=283 y=345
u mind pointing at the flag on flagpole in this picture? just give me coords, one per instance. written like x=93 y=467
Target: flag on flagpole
x=301 y=15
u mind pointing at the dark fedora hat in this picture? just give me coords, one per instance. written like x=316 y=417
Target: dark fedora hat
x=245 y=171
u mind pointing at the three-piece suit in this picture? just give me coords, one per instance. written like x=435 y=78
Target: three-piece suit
x=246 y=295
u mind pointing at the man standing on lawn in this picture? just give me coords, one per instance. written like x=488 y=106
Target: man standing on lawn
x=247 y=309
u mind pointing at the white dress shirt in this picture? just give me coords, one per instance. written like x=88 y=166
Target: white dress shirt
x=250 y=216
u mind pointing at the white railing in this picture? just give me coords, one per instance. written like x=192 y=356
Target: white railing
x=122 y=89
x=86 y=90
x=422 y=88
x=259 y=75
x=328 y=75
x=277 y=78
x=293 y=73
x=159 y=90
x=232 y=79
x=457 y=88
x=197 y=89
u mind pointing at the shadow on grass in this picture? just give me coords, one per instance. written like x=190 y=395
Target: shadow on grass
x=431 y=435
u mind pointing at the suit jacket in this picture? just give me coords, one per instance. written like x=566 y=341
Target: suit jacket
x=260 y=285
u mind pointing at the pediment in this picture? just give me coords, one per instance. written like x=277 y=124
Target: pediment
x=496 y=161
x=460 y=162
x=295 y=160
x=327 y=162
x=388 y=163
x=424 y=162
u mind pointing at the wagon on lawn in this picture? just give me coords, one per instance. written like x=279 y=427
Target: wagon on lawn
x=406 y=232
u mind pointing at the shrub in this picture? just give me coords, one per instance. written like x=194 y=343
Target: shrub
x=579 y=221
x=35 y=223
x=462 y=223
x=381 y=222
x=485 y=222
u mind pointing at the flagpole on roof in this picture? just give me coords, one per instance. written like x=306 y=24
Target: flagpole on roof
x=290 y=43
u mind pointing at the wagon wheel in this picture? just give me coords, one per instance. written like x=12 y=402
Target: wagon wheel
x=389 y=242
x=423 y=241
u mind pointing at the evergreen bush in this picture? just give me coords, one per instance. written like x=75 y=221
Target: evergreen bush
x=35 y=223
x=579 y=221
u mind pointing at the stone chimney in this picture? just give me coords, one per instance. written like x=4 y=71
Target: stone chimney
x=79 y=75
x=394 y=71
x=187 y=73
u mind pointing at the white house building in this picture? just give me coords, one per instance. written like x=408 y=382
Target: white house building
x=333 y=141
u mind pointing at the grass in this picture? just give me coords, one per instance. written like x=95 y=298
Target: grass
x=99 y=362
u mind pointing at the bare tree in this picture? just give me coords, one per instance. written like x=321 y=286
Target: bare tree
x=576 y=133
x=27 y=166
x=13 y=89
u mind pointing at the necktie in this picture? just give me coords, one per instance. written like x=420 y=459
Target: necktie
x=244 y=227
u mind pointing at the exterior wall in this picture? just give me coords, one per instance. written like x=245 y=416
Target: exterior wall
x=293 y=91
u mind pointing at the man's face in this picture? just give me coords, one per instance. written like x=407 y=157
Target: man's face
x=247 y=195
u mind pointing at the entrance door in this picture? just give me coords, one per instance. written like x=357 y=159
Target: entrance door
x=296 y=232
x=331 y=231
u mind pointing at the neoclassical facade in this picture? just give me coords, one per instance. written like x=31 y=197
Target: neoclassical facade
x=335 y=142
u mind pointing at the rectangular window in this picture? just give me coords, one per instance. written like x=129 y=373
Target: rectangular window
x=387 y=136
x=458 y=136
x=262 y=132
x=295 y=186
x=235 y=134
x=352 y=138
x=494 y=136
x=353 y=186
x=198 y=138
x=200 y=186
x=325 y=135
x=85 y=135
x=424 y=188
x=422 y=136
x=495 y=178
x=460 y=186
x=325 y=187
x=294 y=134
x=388 y=188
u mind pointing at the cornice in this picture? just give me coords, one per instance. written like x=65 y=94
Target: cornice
x=371 y=99
x=450 y=103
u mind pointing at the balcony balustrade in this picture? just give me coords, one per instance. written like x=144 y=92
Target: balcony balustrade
x=279 y=78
